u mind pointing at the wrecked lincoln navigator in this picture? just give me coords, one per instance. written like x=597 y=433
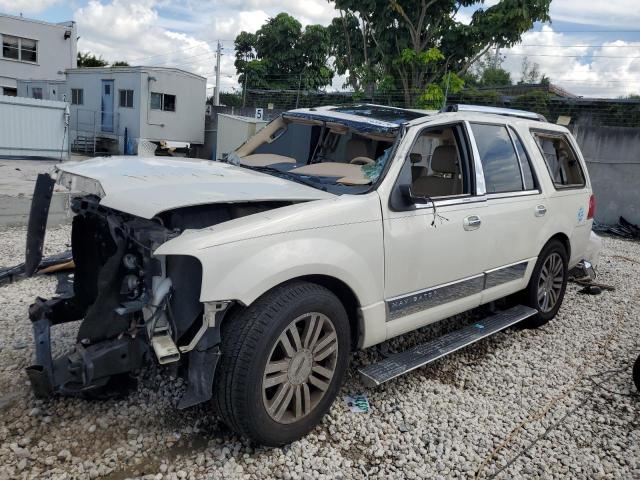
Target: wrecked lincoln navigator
x=330 y=230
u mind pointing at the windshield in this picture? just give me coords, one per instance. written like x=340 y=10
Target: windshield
x=328 y=154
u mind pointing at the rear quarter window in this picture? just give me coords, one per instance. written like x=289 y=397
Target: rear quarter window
x=561 y=160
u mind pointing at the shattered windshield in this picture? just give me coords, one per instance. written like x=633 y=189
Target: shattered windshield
x=330 y=154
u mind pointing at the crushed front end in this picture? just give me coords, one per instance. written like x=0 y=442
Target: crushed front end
x=132 y=306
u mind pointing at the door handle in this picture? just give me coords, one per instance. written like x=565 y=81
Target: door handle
x=540 y=210
x=472 y=222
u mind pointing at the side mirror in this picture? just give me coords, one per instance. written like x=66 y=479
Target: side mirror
x=411 y=198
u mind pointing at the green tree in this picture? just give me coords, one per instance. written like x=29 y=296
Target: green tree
x=120 y=63
x=283 y=55
x=88 y=59
x=417 y=42
x=495 y=77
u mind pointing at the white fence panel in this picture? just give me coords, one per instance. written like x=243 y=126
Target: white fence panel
x=33 y=128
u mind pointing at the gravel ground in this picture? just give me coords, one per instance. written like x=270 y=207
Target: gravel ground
x=554 y=402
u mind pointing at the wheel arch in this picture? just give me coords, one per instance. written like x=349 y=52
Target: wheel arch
x=339 y=288
x=564 y=240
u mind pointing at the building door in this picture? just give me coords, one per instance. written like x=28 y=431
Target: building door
x=107 y=106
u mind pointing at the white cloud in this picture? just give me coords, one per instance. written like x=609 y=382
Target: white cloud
x=614 y=13
x=26 y=6
x=583 y=70
x=129 y=31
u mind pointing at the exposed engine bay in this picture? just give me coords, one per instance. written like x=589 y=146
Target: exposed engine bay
x=132 y=307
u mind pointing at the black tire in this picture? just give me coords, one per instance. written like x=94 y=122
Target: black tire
x=249 y=339
x=636 y=373
x=554 y=248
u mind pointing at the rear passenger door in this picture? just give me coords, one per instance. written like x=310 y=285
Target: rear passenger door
x=516 y=209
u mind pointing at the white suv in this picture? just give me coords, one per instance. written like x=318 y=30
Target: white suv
x=332 y=229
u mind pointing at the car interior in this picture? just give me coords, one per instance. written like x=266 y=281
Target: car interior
x=435 y=164
x=327 y=150
x=561 y=160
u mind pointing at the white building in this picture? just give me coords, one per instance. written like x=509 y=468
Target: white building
x=35 y=50
x=150 y=103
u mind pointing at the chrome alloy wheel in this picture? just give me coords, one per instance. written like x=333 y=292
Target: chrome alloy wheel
x=550 y=282
x=300 y=367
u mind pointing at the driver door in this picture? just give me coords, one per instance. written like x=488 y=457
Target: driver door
x=435 y=244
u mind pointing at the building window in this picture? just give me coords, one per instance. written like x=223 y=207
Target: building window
x=126 y=98
x=16 y=48
x=163 y=101
x=77 y=96
x=10 y=92
x=36 y=92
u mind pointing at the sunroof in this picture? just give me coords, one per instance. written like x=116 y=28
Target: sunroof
x=385 y=114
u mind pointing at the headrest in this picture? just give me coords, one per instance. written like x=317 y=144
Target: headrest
x=444 y=159
x=356 y=147
x=415 y=157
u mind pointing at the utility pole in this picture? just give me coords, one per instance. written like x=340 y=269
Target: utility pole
x=216 y=98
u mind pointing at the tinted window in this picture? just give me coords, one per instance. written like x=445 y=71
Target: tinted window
x=561 y=160
x=499 y=159
x=529 y=182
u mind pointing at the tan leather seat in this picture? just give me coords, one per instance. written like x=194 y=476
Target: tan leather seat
x=445 y=179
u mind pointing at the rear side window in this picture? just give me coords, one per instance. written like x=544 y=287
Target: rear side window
x=527 y=174
x=499 y=159
x=561 y=160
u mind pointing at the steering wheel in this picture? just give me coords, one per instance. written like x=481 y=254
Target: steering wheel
x=362 y=161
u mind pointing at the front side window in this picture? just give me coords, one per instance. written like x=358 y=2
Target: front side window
x=126 y=98
x=499 y=160
x=77 y=96
x=561 y=160
x=437 y=162
x=36 y=92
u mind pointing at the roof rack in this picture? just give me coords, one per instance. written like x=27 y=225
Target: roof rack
x=510 y=112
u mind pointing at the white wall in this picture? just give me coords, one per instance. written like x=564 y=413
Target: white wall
x=186 y=124
x=90 y=81
x=32 y=128
x=55 y=53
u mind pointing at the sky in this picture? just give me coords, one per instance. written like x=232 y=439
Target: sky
x=590 y=48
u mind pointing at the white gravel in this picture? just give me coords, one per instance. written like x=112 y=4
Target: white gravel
x=442 y=421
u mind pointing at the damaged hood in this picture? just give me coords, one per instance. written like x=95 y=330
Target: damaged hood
x=146 y=187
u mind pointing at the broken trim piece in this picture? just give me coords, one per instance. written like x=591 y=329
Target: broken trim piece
x=38 y=215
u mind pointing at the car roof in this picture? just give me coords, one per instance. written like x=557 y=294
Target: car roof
x=386 y=118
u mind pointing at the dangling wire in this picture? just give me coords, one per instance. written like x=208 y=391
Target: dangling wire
x=441 y=218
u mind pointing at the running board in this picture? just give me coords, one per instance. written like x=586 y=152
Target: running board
x=418 y=356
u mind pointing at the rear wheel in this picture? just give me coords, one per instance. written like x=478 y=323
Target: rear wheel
x=547 y=285
x=283 y=361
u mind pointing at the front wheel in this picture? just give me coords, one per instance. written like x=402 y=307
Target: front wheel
x=283 y=362
x=547 y=285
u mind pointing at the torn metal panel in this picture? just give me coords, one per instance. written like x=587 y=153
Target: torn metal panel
x=42 y=195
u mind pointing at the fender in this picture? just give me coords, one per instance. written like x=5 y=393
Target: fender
x=348 y=247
